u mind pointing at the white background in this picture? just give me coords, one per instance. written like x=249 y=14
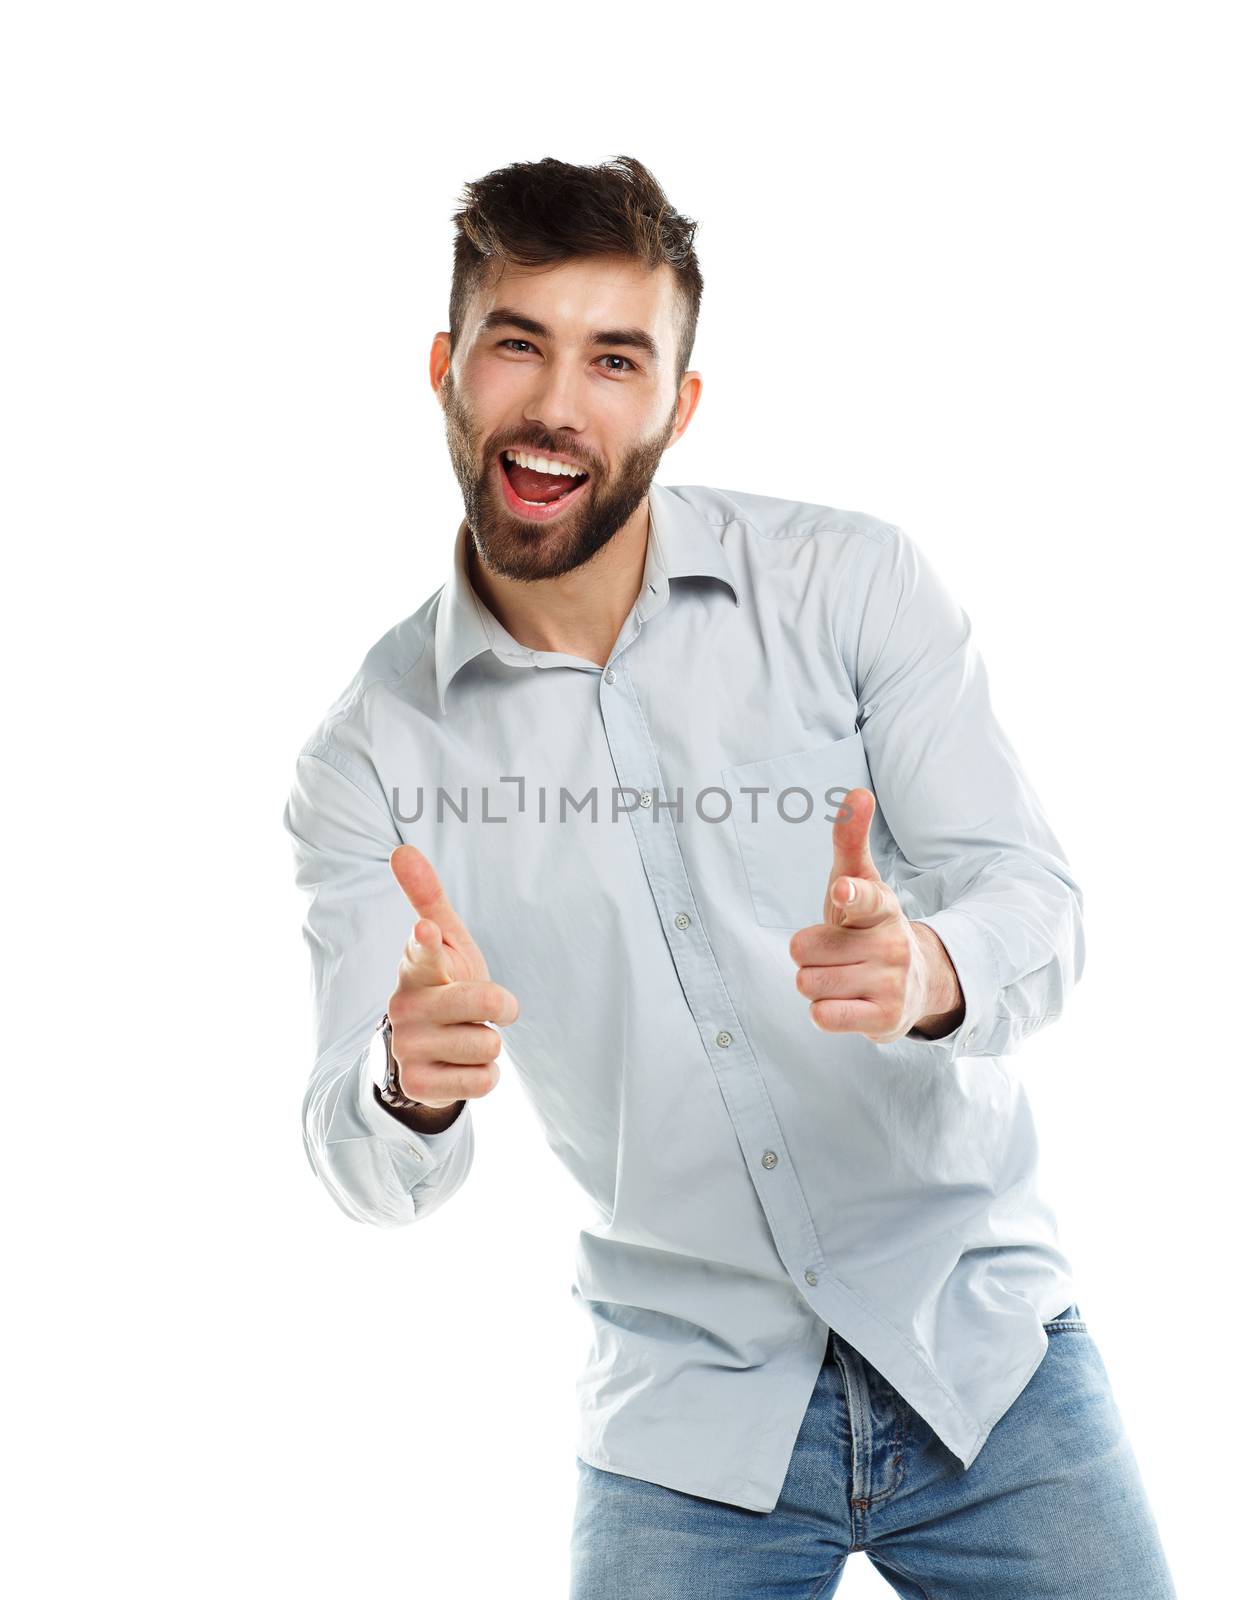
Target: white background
x=966 y=269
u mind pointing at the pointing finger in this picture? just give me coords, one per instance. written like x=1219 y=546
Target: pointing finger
x=425 y=893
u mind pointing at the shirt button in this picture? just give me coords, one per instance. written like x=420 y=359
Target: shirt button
x=970 y=1037
x=810 y=1276
x=646 y=799
x=769 y=1159
x=683 y=920
x=609 y=674
x=724 y=1038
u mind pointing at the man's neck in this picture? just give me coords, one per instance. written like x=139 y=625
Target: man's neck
x=579 y=613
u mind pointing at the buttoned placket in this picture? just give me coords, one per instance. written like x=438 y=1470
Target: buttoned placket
x=722 y=1036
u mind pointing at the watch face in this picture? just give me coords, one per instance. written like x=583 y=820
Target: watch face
x=383 y=1069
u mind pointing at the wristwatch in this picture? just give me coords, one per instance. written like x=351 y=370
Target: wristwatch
x=389 y=1091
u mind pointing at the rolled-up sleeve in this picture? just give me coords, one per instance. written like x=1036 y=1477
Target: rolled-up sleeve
x=976 y=859
x=356 y=924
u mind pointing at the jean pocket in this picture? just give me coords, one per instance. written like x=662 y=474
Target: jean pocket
x=782 y=810
x=1068 y=1321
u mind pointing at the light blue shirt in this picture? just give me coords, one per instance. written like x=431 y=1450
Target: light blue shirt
x=754 y=1181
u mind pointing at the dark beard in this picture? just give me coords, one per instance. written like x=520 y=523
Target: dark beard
x=531 y=551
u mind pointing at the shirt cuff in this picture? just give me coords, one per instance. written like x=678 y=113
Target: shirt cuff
x=968 y=948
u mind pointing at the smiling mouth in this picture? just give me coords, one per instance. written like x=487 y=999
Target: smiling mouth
x=557 y=496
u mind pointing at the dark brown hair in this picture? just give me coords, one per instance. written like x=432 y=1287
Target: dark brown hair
x=533 y=213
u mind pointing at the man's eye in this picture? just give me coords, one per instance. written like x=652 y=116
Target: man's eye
x=529 y=346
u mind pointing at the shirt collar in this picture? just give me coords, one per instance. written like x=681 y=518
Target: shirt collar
x=681 y=544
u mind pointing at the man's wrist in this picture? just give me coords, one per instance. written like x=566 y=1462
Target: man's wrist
x=422 y=1119
x=947 y=1006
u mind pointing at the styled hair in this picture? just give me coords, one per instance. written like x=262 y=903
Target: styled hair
x=533 y=213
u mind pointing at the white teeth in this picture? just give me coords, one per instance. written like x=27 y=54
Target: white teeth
x=540 y=464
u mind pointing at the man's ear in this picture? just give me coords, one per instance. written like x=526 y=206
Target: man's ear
x=440 y=363
x=686 y=402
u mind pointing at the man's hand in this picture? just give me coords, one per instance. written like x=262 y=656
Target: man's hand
x=443 y=998
x=865 y=967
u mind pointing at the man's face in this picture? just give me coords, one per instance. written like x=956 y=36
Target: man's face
x=609 y=407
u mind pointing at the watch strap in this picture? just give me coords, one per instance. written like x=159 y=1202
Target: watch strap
x=389 y=1090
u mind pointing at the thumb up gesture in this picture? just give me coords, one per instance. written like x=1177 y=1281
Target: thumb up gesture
x=864 y=967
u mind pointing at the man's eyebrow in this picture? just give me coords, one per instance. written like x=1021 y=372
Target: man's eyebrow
x=506 y=317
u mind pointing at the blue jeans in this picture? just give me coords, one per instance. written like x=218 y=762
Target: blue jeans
x=1053 y=1507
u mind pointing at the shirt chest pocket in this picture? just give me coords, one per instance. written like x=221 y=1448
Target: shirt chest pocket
x=782 y=810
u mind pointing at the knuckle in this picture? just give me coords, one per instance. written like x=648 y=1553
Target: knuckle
x=415 y=1081
x=892 y=952
x=430 y=1081
x=407 y=1047
x=472 y=1044
x=466 y=1001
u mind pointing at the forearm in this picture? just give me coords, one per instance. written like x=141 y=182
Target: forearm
x=1014 y=937
x=376 y=1168
x=972 y=855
